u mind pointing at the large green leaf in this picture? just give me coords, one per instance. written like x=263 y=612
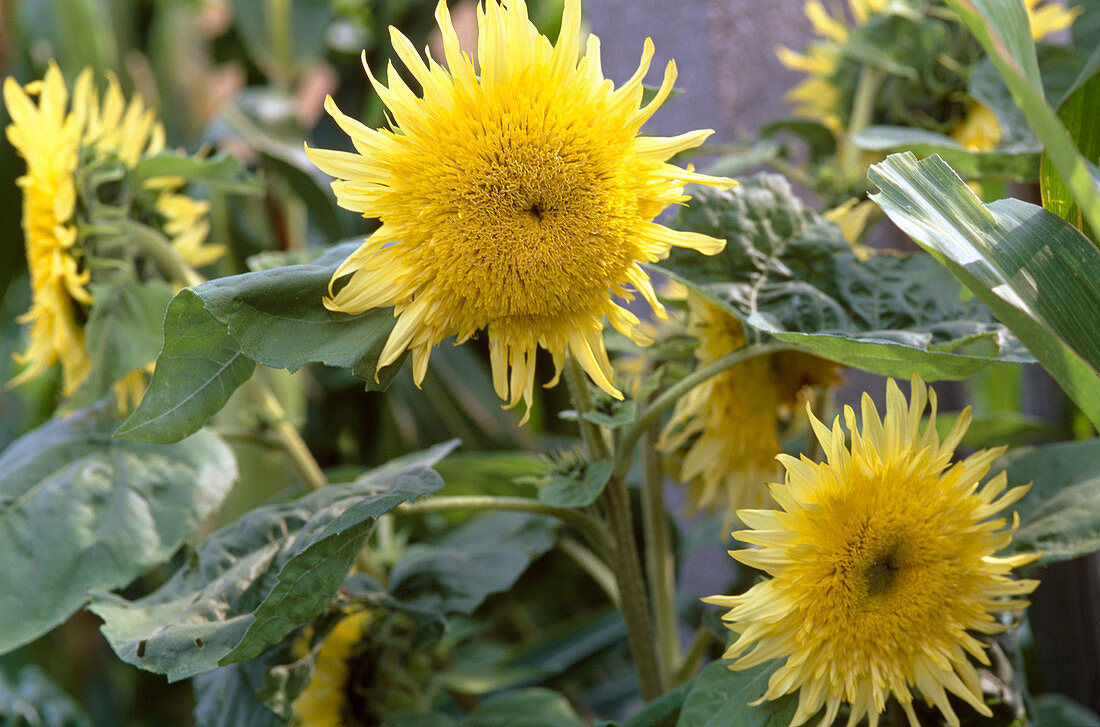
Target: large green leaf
x=1016 y=164
x=1056 y=710
x=484 y=556
x=32 y=699
x=253 y=582
x=1038 y=274
x=122 y=332
x=199 y=367
x=1060 y=515
x=277 y=318
x=1003 y=29
x=81 y=510
x=720 y=696
x=789 y=273
x=226 y=697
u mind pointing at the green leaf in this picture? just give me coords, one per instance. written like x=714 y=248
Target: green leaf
x=534 y=707
x=253 y=582
x=122 y=333
x=34 y=700
x=1060 y=515
x=1003 y=29
x=1078 y=112
x=660 y=711
x=789 y=273
x=226 y=697
x=485 y=556
x=198 y=369
x=221 y=171
x=277 y=319
x=720 y=696
x=1014 y=165
x=81 y=510
x=577 y=489
x=1056 y=710
x=1036 y=272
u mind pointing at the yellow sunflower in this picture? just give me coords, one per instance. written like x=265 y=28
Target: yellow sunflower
x=322 y=702
x=726 y=429
x=881 y=564
x=55 y=138
x=518 y=199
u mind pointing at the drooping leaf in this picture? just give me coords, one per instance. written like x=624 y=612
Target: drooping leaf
x=1034 y=270
x=789 y=273
x=484 y=556
x=533 y=707
x=255 y=581
x=32 y=699
x=720 y=696
x=221 y=171
x=122 y=333
x=1060 y=515
x=199 y=367
x=81 y=510
x=1003 y=164
x=277 y=319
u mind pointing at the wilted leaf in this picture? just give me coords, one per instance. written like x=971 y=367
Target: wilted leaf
x=255 y=581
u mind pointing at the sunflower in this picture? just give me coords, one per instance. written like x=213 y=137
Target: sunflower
x=827 y=92
x=726 y=429
x=882 y=564
x=518 y=200
x=59 y=140
x=321 y=703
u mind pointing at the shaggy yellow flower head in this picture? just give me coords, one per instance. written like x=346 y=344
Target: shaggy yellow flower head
x=726 y=429
x=518 y=199
x=881 y=564
x=56 y=138
x=323 y=701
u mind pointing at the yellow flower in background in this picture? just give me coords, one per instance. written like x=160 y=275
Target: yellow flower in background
x=322 y=702
x=979 y=130
x=56 y=137
x=1050 y=18
x=726 y=429
x=881 y=564
x=519 y=199
x=48 y=138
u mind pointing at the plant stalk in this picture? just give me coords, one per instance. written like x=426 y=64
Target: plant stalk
x=660 y=563
x=628 y=571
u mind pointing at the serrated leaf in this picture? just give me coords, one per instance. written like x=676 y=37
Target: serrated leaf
x=277 y=319
x=484 y=556
x=1009 y=164
x=720 y=697
x=122 y=332
x=32 y=699
x=1034 y=270
x=255 y=581
x=198 y=369
x=533 y=707
x=580 y=489
x=788 y=273
x=221 y=171
x=81 y=510
x=1060 y=515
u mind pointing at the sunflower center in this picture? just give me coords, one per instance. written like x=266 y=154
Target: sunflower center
x=882 y=573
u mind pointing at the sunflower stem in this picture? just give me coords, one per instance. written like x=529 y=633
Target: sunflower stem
x=660 y=564
x=592 y=529
x=158 y=248
x=591 y=564
x=651 y=414
x=694 y=657
x=863 y=107
x=627 y=569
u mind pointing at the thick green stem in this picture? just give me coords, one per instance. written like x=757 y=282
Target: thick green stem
x=592 y=529
x=863 y=107
x=593 y=566
x=628 y=571
x=652 y=414
x=659 y=558
x=159 y=249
